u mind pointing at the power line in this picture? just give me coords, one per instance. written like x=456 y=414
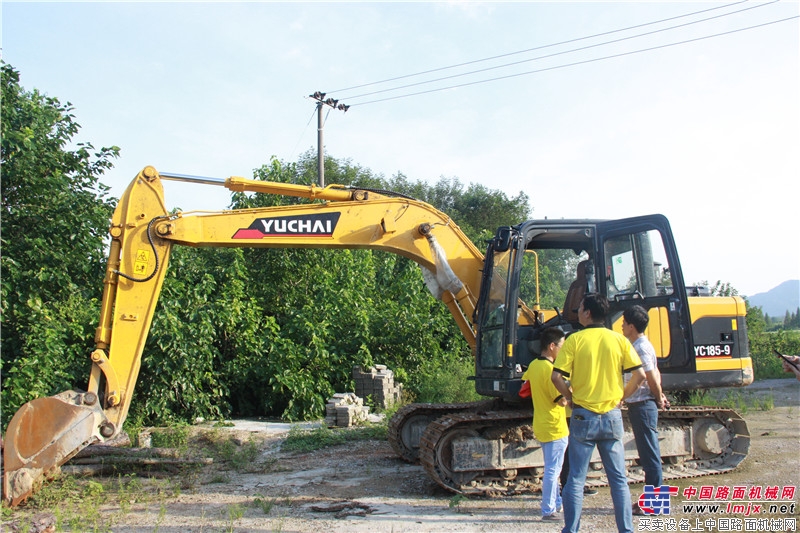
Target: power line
x=540 y=47
x=554 y=54
x=302 y=134
x=578 y=62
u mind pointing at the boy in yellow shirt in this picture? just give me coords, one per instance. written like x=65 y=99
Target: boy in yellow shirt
x=549 y=419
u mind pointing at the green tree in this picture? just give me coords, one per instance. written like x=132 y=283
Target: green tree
x=721 y=289
x=204 y=318
x=478 y=210
x=54 y=217
x=756 y=320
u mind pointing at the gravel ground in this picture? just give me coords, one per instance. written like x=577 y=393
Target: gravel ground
x=364 y=488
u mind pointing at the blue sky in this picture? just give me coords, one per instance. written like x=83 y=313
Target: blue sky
x=706 y=132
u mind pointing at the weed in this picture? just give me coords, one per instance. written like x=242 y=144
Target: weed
x=75 y=522
x=455 y=501
x=699 y=397
x=245 y=456
x=134 y=425
x=166 y=489
x=129 y=490
x=389 y=411
x=220 y=478
x=224 y=449
x=265 y=504
x=271 y=464
x=162 y=513
x=189 y=477
x=768 y=403
x=59 y=519
x=89 y=514
x=235 y=513
x=94 y=491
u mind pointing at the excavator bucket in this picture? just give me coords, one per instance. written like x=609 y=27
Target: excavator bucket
x=44 y=434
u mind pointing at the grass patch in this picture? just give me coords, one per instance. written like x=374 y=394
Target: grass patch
x=240 y=457
x=265 y=504
x=732 y=399
x=76 y=502
x=227 y=448
x=302 y=440
x=171 y=437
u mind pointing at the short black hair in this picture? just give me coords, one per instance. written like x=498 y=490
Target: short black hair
x=637 y=317
x=551 y=335
x=597 y=305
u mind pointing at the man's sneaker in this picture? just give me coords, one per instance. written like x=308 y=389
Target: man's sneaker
x=551 y=517
x=589 y=491
x=637 y=511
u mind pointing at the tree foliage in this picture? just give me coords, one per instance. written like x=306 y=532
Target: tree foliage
x=247 y=332
x=54 y=216
x=765 y=338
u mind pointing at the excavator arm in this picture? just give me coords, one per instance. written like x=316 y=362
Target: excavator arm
x=47 y=432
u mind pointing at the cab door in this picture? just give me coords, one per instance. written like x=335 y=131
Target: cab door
x=639 y=263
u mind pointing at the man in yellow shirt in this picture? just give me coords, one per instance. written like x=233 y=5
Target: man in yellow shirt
x=594 y=359
x=549 y=419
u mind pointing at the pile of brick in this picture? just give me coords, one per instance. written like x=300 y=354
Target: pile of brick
x=344 y=410
x=378 y=383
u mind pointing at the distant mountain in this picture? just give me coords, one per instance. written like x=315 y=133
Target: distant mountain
x=775 y=302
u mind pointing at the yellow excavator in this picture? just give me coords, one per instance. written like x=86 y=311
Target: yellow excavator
x=473 y=448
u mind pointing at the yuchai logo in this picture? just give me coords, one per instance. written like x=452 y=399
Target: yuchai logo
x=321 y=225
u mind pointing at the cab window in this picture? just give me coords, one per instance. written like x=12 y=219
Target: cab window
x=636 y=266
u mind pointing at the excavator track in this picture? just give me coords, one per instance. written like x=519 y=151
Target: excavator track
x=494 y=453
x=407 y=424
x=721 y=438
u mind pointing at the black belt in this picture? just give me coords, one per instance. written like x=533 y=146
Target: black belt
x=575 y=405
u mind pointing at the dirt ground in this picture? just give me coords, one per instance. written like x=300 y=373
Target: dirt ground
x=364 y=488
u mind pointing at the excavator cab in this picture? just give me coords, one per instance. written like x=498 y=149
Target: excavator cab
x=701 y=341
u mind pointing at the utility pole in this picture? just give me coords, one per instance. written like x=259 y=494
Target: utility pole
x=319 y=97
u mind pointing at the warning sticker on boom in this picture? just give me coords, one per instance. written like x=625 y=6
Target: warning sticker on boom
x=141 y=261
